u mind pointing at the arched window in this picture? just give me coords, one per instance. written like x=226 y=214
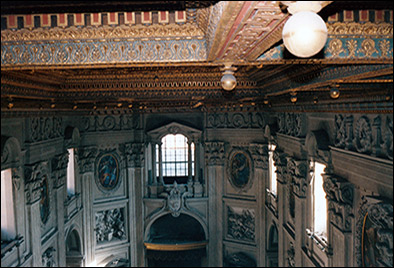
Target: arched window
x=175 y=158
x=272 y=169
x=8 y=231
x=70 y=174
x=319 y=203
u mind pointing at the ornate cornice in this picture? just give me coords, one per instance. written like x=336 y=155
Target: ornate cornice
x=77 y=34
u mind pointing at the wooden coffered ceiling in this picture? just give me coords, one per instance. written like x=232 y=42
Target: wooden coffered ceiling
x=169 y=55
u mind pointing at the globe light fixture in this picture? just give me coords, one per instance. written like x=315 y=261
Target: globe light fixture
x=334 y=92
x=228 y=80
x=293 y=97
x=305 y=32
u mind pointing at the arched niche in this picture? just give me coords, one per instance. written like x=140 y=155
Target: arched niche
x=272 y=246
x=184 y=224
x=72 y=137
x=316 y=142
x=11 y=154
x=74 y=252
x=175 y=241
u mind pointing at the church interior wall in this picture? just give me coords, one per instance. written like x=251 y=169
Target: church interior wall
x=355 y=148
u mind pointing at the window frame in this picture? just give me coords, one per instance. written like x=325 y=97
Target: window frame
x=188 y=159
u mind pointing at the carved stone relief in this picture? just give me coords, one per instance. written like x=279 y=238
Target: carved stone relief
x=48 y=260
x=292 y=124
x=365 y=135
x=259 y=155
x=215 y=153
x=291 y=255
x=86 y=158
x=340 y=201
x=109 y=122
x=59 y=169
x=374 y=233
x=241 y=224
x=45 y=128
x=134 y=154
x=34 y=175
x=297 y=173
x=236 y=120
x=110 y=224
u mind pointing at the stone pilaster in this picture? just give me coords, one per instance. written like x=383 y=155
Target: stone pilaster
x=134 y=153
x=215 y=160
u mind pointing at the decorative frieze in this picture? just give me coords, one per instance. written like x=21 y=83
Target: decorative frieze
x=44 y=128
x=292 y=124
x=109 y=123
x=241 y=224
x=340 y=201
x=110 y=224
x=236 y=120
x=215 y=153
x=365 y=135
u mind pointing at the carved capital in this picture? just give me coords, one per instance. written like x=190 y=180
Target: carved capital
x=259 y=155
x=134 y=153
x=280 y=162
x=340 y=201
x=215 y=153
x=86 y=158
x=34 y=175
x=297 y=174
x=59 y=169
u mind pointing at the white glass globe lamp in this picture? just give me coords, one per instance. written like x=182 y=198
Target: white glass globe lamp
x=304 y=34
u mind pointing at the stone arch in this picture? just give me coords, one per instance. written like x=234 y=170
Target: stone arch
x=316 y=141
x=165 y=213
x=272 y=238
x=72 y=137
x=74 y=248
x=272 y=246
x=11 y=153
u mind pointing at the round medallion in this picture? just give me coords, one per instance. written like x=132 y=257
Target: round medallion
x=108 y=172
x=239 y=170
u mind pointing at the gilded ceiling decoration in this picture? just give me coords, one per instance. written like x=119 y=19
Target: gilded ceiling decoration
x=139 y=56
